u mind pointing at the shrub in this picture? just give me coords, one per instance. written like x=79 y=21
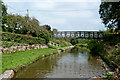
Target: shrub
x=81 y=45
x=114 y=54
x=111 y=39
x=76 y=41
x=61 y=42
x=22 y=38
x=95 y=47
x=7 y=44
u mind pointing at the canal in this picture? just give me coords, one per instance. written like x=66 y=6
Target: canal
x=70 y=64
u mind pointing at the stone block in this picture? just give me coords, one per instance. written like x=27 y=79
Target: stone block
x=37 y=46
x=30 y=46
x=23 y=48
x=7 y=75
x=33 y=46
x=27 y=47
x=19 y=48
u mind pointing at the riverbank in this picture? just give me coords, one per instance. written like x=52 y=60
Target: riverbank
x=18 y=60
x=109 y=53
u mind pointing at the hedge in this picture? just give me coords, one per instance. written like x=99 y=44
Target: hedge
x=7 y=44
x=18 y=38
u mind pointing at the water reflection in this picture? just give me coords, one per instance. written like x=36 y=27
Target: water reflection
x=72 y=64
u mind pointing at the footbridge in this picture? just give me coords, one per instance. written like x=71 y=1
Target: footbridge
x=78 y=34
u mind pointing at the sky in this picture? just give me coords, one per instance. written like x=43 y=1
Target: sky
x=64 y=15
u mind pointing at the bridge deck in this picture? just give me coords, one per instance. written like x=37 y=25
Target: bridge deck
x=78 y=34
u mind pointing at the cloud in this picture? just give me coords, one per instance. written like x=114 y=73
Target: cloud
x=60 y=0
x=54 y=21
x=52 y=0
x=72 y=14
x=63 y=15
x=42 y=5
x=80 y=9
x=96 y=21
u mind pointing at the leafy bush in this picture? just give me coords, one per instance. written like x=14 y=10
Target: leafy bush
x=111 y=39
x=76 y=41
x=108 y=76
x=61 y=42
x=7 y=44
x=114 y=55
x=22 y=38
x=81 y=45
x=95 y=47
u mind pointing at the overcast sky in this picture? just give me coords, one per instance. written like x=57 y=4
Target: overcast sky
x=68 y=15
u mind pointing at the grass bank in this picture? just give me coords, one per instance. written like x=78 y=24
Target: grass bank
x=16 y=60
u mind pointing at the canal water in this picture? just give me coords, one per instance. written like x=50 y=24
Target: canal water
x=71 y=64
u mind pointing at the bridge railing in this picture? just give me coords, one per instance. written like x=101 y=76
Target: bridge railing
x=78 y=34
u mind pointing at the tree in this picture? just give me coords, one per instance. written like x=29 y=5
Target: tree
x=4 y=13
x=26 y=24
x=14 y=21
x=55 y=30
x=110 y=14
x=47 y=27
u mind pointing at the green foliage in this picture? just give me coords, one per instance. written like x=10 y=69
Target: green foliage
x=108 y=76
x=80 y=49
x=95 y=47
x=110 y=14
x=47 y=27
x=4 y=13
x=81 y=45
x=26 y=25
x=110 y=39
x=22 y=23
x=7 y=44
x=114 y=55
x=22 y=38
x=55 y=30
x=108 y=31
x=61 y=42
x=45 y=35
x=76 y=41
x=15 y=60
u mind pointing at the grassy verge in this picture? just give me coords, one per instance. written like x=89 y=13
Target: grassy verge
x=22 y=58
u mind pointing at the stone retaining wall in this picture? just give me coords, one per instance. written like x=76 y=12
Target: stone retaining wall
x=21 y=48
x=54 y=44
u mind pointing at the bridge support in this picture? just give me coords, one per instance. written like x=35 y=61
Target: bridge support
x=93 y=35
x=79 y=34
x=84 y=35
x=88 y=35
x=98 y=35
